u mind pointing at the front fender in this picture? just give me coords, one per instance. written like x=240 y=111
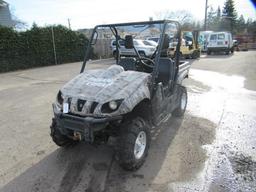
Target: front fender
x=141 y=93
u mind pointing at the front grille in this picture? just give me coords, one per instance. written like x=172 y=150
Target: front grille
x=80 y=104
x=93 y=106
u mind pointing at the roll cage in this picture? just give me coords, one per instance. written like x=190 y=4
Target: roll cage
x=113 y=27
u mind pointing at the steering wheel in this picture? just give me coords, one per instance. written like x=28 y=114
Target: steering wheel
x=154 y=54
x=143 y=59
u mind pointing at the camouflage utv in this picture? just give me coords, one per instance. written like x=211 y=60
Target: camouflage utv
x=125 y=99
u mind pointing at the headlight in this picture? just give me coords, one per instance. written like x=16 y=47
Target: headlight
x=112 y=105
x=152 y=49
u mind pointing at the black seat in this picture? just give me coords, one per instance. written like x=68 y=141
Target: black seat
x=166 y=71
x=164 y=50
x=128 y=63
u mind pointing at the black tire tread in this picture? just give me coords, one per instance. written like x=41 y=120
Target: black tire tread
x=178 y=112
x=129 y=132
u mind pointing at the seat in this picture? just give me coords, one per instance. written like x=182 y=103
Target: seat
x=165 y=46
x=128 y=63
x=166 y=71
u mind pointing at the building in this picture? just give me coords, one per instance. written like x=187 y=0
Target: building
x=102 y=46
x=5 y=15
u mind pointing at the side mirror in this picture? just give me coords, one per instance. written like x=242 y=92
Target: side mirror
x=128 y=42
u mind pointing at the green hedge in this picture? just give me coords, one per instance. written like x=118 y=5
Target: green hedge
x=34 y=47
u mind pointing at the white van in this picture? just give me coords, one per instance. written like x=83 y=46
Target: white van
x=203 y=40
x=220 y=41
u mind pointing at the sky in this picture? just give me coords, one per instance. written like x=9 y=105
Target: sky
x=88 y=13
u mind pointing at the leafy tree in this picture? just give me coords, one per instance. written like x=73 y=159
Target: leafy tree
x=251 y=28
x=211 y=16
x=218 y=12
x=184 y=17
x=214 y=19
x=241 y=24
x=229 y=16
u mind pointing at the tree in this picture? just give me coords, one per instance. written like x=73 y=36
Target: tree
x=251 y=27
x=17 y=23
x=218 y=12
x=241 y=24
x=211 y=19
x=229 y=16
x=184 y=17
x=214 y=19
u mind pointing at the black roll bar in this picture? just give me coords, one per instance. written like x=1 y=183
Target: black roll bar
x=113 y=26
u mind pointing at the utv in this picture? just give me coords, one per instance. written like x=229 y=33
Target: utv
x=125 y=100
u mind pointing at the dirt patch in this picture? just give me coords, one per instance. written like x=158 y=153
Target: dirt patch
x=244 y=167
x=186 y=154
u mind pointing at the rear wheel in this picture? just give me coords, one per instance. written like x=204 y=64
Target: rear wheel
x=133 y=144
x=58 y=138
x=183 y=97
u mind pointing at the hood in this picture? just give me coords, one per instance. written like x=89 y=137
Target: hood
x=105 y=85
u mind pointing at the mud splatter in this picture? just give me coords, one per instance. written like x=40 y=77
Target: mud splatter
x=244 y=167
x=72 y=174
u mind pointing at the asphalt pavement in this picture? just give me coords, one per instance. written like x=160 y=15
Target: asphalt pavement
x=211 y=149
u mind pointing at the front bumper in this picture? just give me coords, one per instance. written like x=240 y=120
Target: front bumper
x=218 y=49
x=71 y=125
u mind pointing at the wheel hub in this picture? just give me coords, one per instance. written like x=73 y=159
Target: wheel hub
x=183 y=101
x=140 y=145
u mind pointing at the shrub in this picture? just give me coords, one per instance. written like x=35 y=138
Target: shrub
x=34 y=47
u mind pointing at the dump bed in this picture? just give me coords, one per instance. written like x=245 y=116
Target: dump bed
x=184 y=67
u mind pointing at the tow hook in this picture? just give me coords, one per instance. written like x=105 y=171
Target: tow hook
x=77 y=136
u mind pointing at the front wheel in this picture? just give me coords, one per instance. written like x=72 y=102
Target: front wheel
x=183 y=98
x=133 y=144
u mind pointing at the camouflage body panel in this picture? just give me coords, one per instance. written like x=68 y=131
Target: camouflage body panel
x=97 y=87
